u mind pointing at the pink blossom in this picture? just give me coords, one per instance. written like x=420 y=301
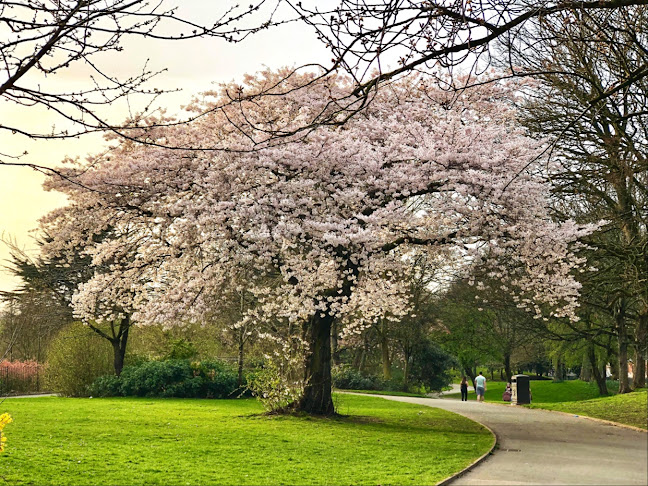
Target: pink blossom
x=326 y=219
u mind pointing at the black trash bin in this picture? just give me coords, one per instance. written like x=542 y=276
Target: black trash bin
x=520 y=390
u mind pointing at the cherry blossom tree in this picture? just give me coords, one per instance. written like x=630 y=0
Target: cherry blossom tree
x=329 y=221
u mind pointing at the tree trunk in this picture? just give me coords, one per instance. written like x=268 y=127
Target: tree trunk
x=558 y=370
x=119 y=343
x=386 y=362
x=507 y=367
x=470 y=374
x=640 y=351
x=335 y=350
x=241 y=346
x=118 y=356
x=317 y=398
x=357 y=357
x=118 y=340
x=406 y=366
x=365 y=351
x=639 y=379
x=614 y=369
x=589 y=365
x=586 y=369
x=241 y=341
x=363 y=359
x=596 y=371
x=384 y=346
x=622 y=331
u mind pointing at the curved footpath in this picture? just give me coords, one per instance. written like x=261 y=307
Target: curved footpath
x=538 y=447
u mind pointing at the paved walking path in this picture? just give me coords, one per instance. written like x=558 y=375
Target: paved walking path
x=538 y=447
x=34 y=395
x=457 y=389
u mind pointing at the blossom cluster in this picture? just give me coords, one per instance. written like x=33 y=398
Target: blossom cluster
x=327 y=219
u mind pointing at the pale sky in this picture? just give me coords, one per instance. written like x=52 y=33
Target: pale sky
x=192 y=65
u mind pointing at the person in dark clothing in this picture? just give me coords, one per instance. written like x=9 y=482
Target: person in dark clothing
x=464 y=389
x=507 y=393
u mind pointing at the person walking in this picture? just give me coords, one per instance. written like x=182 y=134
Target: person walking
x=464 y=389
x=480 y=386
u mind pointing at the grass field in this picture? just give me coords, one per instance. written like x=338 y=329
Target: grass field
x=629 y=408
x=579 y=398
x=158 y=441
x=542 y=391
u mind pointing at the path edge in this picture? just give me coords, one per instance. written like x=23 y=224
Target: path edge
x=476 y=462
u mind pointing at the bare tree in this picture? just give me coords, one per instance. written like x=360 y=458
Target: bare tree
x=600 y=164
x=373 y=42
x=39 y=39
x=376 y=41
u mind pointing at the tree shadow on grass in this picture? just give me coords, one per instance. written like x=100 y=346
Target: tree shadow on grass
x=387 y=426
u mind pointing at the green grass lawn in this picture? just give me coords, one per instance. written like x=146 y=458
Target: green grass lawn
x=157 y=441
x=629 y=408
x=543 y=391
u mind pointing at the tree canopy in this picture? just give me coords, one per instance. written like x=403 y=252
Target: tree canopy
x=333 y=218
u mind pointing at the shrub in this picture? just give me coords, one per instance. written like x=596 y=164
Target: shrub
x=180 y=349
x=105 y=386
x=170 y=378
x=75 y=358
x=153 y=377
x=189 y=341
x=220 y=380
x=431 y=366
x=274 y=388
x=20 y=376
x=346 y=377
x=397 y=384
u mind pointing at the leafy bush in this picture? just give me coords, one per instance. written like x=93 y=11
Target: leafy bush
x=170 y=378
x=105 y=386
x=430 y=370
x=278 y=380
x=20 y=376
x=220 y=379
x=75 y=358
x=188 y=341
x=396 y=384
x=274 y=388
x=180 y=349
x=346 y=377
x=152 y=378
x=431 y=366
